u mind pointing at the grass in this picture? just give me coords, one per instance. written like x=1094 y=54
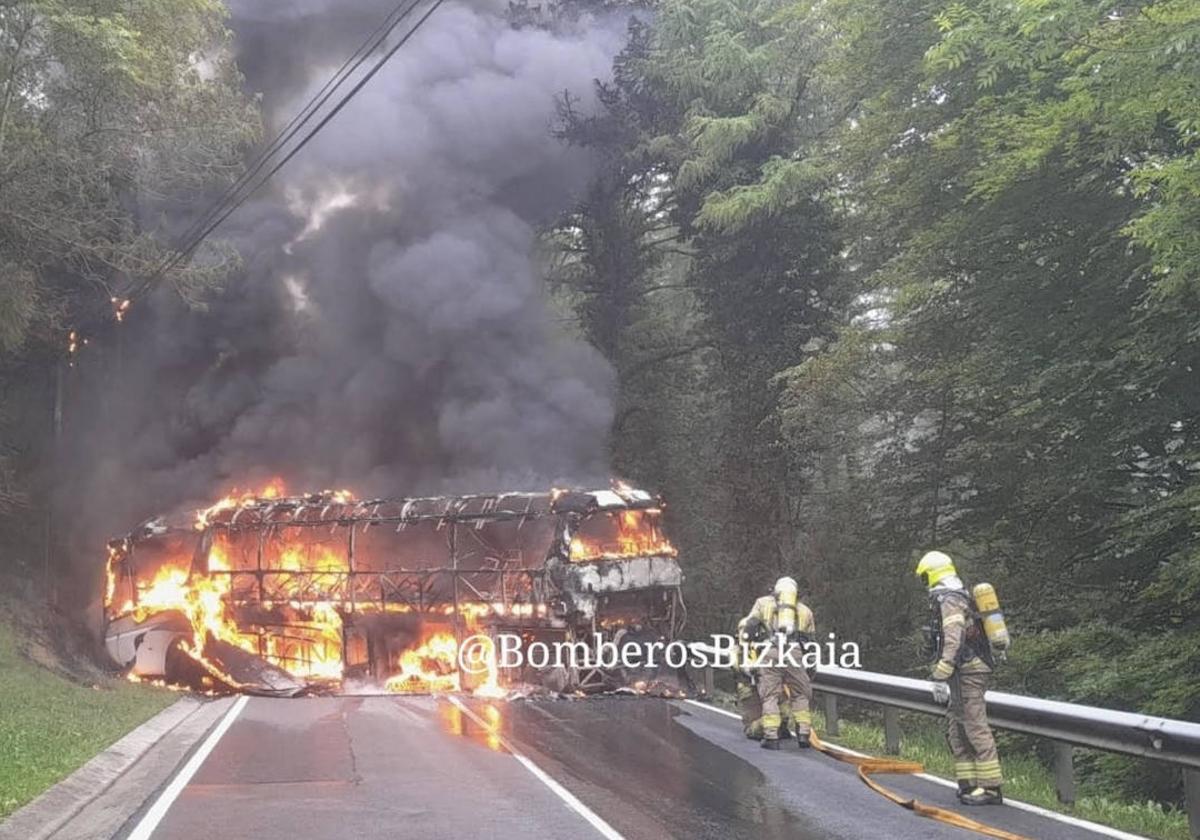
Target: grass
x=1026 y=778
x=49 y=725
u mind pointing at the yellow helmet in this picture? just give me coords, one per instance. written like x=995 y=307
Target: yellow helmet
x=935 y=566
x=786 y=584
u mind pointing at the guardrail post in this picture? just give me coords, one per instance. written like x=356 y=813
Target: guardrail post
x=831 y=713
x=891 y=730
x=1064 y=772
x=1191 y=798
x=708 y=680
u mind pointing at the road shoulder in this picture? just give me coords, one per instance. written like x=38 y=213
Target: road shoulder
x=1018 y=817
x=95 y=800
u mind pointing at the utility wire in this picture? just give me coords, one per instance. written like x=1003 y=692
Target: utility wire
x=235 y=198
x=342 y=103
x=289 y=131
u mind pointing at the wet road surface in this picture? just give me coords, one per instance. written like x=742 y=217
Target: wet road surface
x=387 y=767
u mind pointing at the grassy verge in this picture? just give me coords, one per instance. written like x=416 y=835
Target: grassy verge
x=49 y=725
x=1026 y=778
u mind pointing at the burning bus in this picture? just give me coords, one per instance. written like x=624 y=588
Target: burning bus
x=274 y=594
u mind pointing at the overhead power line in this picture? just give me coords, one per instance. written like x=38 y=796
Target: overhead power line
x=251 y=180
x=186 y=252
x=285 y=135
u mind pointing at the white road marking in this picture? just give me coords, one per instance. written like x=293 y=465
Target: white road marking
x=561 y=792
x=713 y=708
x=937 y=780
x=158 y=810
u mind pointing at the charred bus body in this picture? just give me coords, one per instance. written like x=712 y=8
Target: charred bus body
x=276 y=594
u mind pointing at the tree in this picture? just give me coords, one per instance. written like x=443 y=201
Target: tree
x=1021 y=175
x=113 y=115
x=700 y=124
x=107 y=113
x=946 y=256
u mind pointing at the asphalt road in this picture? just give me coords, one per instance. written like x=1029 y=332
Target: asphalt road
x=388 y=767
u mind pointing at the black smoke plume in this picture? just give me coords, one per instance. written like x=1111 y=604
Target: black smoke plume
x=387 y=332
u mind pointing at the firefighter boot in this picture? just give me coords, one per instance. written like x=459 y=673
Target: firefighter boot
x=802 y=741
x=983 y=796
x=770 y=743
x=964 y=787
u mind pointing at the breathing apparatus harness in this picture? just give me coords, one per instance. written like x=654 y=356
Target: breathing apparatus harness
x=975 y=642
x=785 y=618
x=785 y=623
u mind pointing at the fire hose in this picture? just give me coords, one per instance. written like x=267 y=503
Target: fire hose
x=869 y=764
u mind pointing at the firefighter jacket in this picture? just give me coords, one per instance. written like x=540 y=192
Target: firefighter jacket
x=962 y=645
x=764 y=611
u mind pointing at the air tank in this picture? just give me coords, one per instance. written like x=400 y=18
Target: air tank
x=785 y=611
x=988 y=605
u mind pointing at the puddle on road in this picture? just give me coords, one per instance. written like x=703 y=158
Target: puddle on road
x=455 y=722
x=632 y=762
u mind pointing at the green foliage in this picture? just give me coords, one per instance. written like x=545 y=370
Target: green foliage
x=107 y=114
x=1026 y=779
x=783 y=185
x=1101 y=87
x=716 y=274
x=50 y=726
x=114 y=115
x=946 y=256
x=18 y=304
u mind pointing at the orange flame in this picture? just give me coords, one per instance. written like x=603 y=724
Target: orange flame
x=310 y=584
x=312 y=646
x=431 y=667
x=631 y=533
x=273 y=489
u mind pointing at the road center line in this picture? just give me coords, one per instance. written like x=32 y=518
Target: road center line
x=561 y=792
x=1096 y=828
x=158 y=810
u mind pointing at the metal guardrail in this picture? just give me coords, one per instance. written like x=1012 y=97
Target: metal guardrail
x=1174 y=741
x=1067 y=724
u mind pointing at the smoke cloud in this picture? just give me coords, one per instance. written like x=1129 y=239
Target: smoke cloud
x=387 y=332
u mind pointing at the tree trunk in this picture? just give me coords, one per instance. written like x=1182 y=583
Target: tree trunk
x=24 y=27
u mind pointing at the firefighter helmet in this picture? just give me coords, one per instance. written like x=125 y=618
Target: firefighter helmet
x=935 y=566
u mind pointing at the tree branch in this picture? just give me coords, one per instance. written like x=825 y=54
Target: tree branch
x=667 y=355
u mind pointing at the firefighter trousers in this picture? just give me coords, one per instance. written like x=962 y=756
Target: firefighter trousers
x=776 y=685
x=751 y=707
x=970 y=738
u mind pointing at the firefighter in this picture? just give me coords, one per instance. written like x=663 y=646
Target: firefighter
x=963 y=666
x=779 y=668
x=751 y=632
